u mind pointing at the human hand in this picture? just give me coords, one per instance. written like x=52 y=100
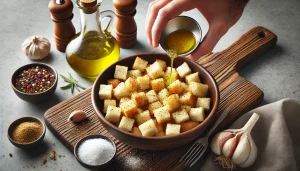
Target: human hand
x=220 y=15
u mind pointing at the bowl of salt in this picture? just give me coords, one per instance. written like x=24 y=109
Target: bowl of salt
x=95 y=151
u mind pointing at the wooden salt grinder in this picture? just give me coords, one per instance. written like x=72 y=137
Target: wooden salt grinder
x=126 y=28
x=61 y=15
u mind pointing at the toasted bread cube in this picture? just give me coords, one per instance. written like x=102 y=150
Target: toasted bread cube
x=152 y=96
x=113 y=114
x=186 y=126
x=154 y=106
x=162 y=114
x=173 y=129
x=129 y=109
x=142 y=117
x=163 y=94
x=143 y=82
x=197 y=114
x=105 y=91
x=108 y=102
x=134 y=73
x=170 y=77
x=198 y=89
x=165 y=102
x=136 y=131
x=113 y=82
x=175 y=87
x=188 y=99
x=180 y=116
x=131 y=84
x=160 y=129
x=162 y=64
x=123 y=100
x=172 y=103
x=121 y=72
x=140 y=99
x=183 y=70
x=140 y=110
x=155 y=71
x=158 y=84
x=194 y=77
x=140 y=64
x=126 y=124
x=185 y=87
x=203 y=102
x=148 y=128
x=186 y=108
x=121 y=91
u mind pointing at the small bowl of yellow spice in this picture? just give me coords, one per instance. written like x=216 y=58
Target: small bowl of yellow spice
x=26 y=132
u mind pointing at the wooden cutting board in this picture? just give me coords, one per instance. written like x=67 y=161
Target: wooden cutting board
x=236 y=92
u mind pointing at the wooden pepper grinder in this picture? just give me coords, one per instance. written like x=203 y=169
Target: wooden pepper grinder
x=126 y=28
x=61 y=15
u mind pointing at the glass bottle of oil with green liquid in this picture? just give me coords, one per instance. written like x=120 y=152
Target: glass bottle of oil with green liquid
x=92 y=50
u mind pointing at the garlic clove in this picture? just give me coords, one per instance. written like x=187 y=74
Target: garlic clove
x=242 y=150
x=77 y=116
x=219 y=140
x=230 y=146
x=252 y=156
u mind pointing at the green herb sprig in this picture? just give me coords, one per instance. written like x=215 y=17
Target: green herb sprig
x=72 y=83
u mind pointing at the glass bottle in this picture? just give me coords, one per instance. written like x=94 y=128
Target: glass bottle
x=92 y=50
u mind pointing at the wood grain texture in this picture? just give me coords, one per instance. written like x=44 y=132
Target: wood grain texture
x=236 y=92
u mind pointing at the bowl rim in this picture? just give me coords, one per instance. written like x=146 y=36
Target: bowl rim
x=181 y=135
x=26 y=66
x=30 y=118
x=93 y=136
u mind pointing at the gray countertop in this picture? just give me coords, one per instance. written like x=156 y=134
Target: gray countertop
x=276 y=72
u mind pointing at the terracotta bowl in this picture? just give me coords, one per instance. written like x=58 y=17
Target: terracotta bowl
x=25 y=145
x=157 y=143
x=36 y=97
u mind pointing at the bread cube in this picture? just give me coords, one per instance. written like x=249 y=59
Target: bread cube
x=186 y=126
x=162 y=64
x=203 y=102
x=158 y=84
x=121 y=91
x=126 y=124
x=185 y=87
x=134 y=73
x=163 y=94
x=123 y=100
x=197 y=114
x=170 y=77
x=121 y=72
x=129 y=109
x=108 y=102
x=140 y=99
x=139 y=110
x=148 y=128
x=113 y=114
x=180 y=116
x=105 y=91
x=142 y=117
x=143 y=82
x=173 y=129
x=140 y=64
x=155 y=71
x=136 y=131
x=175 y=87
x=131 y=84
x=198 y=89
x=186 y=108
x=194 y=77
x=183 y=70
x=154 y=106
x=160 y=129
x=152 y=96
x=188 y=99
x=113 y=82
x=162 y=114
x=172 y=103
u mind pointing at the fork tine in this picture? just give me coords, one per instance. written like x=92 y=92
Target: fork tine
x=193 y=161
x=187 y=153
x=193 y=158
x=192 y=152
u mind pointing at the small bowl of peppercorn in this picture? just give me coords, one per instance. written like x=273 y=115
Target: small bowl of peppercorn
x=34 y=82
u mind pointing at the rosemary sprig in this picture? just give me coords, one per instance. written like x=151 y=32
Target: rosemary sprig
x=72 y=83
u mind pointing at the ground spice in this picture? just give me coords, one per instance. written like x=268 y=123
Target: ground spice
x=10 y=155
x=52 y=155
x=27 y=132
x=44 y=160
x=34 y=80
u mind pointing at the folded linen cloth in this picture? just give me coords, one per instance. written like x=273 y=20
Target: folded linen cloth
x=277 y=137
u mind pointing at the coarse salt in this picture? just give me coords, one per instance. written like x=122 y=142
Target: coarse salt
x=96 y=151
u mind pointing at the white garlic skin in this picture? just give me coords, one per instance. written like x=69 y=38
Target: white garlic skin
x=219 y=140
x=36 y=47
x=242 y=150
x=77 y=116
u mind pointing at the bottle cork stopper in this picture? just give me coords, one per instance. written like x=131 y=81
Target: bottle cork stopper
x=89 y=5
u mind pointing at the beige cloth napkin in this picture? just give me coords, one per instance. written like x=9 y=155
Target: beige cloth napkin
x=276 y=135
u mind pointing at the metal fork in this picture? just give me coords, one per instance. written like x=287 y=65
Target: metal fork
x=199 y=147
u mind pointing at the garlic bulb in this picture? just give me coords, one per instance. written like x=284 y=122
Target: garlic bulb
x=236 y=144
x=36 y=47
